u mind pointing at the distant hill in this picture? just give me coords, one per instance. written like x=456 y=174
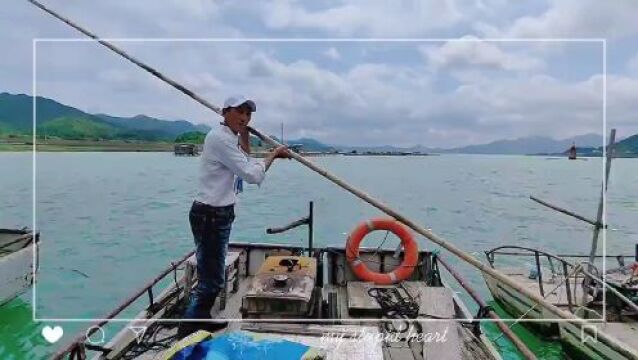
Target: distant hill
x=628 y=146
x=625 y=148
x=191 y=137
x=16 y=111
x=520 y=146
x=382 y=148
x=530 y=145
x=308 y=144
x=152 y=128
x=311 y=145
x=78 y=128
x=66 y=122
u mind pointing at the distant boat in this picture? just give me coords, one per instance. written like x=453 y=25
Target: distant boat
x=572 y=152
x=16 y=262
x=186 y=150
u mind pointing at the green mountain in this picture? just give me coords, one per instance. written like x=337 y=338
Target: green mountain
x=192 y=137
x=66 y=122
x=151 y=128
x=628 y=146
x=311 y=145
x=16 y=111
x=307 y=144
x=625 y=148
x=78 y=128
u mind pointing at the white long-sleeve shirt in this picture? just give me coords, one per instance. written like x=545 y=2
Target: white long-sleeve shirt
x=222 y=161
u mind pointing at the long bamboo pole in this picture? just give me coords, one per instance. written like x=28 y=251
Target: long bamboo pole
x=518 y=343
x=120 y=52
x=612 y=342
x=564 y=211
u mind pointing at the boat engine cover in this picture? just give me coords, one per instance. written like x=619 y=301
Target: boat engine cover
x=283 y=286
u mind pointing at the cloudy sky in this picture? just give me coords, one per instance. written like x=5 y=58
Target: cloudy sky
x=434 y=93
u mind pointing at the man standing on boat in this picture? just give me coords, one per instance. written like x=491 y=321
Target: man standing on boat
x=225 y=164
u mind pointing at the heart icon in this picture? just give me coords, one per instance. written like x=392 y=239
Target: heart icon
x=52 y=334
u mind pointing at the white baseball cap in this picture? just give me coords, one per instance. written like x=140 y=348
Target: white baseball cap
x=238 y=100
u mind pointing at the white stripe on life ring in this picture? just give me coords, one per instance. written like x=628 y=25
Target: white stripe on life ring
x=392 y=276
x=370 y=225
x=356 y=262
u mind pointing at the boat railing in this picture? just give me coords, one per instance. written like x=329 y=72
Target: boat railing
x=308 y=220
x=77 y=348
x=537 y=254
x=568 y=268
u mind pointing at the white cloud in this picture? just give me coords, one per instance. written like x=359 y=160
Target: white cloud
x=622 y=103
x=472 y=52
x=332 y=53
x=373 y=97
x=579 y=18
x=632 y=64
x=365 y=103
x=364 y=18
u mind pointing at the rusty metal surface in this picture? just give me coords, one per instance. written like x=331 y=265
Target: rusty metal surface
x=277 y=281
x=283 y=285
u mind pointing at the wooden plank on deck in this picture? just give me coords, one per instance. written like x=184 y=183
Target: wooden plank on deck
x=444 y=342
x=433 y=301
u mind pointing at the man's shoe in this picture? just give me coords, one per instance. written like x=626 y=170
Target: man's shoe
x=186 y=328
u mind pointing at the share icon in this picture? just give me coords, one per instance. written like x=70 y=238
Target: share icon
x=139 y=332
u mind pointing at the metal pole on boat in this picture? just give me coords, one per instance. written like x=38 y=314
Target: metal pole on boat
x=520 y=345
x=311 y=220
x=564 y=211
x=610 y=341
x=599 y=215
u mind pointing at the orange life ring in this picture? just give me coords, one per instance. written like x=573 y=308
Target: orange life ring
x=402 y=271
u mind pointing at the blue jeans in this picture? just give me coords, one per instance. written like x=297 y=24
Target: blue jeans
x=211 y=230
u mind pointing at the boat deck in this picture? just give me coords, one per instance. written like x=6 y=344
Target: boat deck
x=555 y=289
x=356 y=316
x=437 y=306
x=627 y=333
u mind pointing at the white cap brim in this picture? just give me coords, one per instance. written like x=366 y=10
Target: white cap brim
x=239 y=100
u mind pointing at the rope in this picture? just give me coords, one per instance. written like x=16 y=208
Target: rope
x=394 y=305
x=150 y=341
x=376 y=251
x=573 y=272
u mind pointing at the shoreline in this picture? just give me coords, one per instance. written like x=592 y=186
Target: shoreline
x=13 y=146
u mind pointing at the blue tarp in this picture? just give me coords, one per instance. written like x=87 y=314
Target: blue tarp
x=239 y=345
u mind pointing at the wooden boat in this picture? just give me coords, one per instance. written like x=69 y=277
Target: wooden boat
x=186 y=150
x=558 y=280
x=16 y=262
x=572 y=152
x=325 y=301
x=608 y=302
